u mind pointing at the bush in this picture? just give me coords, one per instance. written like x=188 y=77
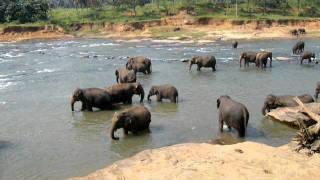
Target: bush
x=310 y=12
x=25 y=11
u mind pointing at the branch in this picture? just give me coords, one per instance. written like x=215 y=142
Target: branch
x=311 y=114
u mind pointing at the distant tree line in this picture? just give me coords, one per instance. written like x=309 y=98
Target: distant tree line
x=23 y=11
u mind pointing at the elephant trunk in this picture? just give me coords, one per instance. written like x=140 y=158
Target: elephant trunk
x=149 y=95
x=114 y=128
x=240 y=60
x=264 y=108
x=72 y=103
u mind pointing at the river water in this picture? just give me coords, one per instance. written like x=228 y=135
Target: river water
x=40 y=138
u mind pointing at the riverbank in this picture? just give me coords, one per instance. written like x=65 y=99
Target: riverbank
x=181 y=27
x=246 y=160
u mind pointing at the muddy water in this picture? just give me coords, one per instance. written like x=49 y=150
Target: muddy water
x=40 y=138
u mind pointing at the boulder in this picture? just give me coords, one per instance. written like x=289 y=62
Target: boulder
x=290 y=115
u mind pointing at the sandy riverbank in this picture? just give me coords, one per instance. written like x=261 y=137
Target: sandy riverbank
x=246 y=160
x=181 y=28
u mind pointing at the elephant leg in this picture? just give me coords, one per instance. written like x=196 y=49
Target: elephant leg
x=173 y=99
x=199 y=67
x=159 y=98
x=213 y=68
x=89 y=107
x=125 y=131
x=309 y=60
x=83 y=107
x=229 y=127
x=129 y=101
x=220 y=123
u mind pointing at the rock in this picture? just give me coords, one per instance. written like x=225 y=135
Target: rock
x=206 y=161
x=290 y=115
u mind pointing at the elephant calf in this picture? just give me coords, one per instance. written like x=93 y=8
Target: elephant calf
x=273 y=102
x=91 y=97
x=232 y=113
x=124 y=92
x=139 y=64
x=125 y=76
x=165 y=91
x=134 y=119
x=235 y=44
x=298 y=47
x=309 y=56
x=262 y=59
x=203 y=61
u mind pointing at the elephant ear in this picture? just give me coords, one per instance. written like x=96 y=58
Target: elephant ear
x=218 y=103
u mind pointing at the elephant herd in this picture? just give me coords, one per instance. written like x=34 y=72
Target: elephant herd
x=137 y=118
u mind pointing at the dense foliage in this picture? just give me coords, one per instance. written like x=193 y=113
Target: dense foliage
x=65 y=12
x=23 y=11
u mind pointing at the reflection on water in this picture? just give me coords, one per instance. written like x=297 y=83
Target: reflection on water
x=48 y=141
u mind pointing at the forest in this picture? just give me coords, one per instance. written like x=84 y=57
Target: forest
x=64 y=12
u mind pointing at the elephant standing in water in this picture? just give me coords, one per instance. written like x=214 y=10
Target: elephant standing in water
x=124 y=92
x=273 y=102
x=262 y=59
x=139 y=64
x=298 y=48
x=233 y=113
x=317 y=91
x=134 y=119
x=125 y=76
x=309 y=56
x=91 y=97
x=235 y=44
x=248 y=57
x=203 y=61
x=165 y=91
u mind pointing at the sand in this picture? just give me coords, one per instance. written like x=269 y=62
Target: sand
x=246 y=160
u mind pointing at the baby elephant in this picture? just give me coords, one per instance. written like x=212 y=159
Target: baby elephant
x=134 y=119
x=232 y=113
x=235 y=44
x=165 y=91
x=91 y=97
x=203 y=61
x=273 y=102
x=309 y=56
x=125 y=76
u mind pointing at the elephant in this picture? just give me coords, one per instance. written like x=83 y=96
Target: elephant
x=248 y=57
x=317 y=91
x=139 y=64
x=294 y=32
x=134 y=119
x=235 y=44
x=203 y=61
x=124 y=92
x=308 y=55
x=262 y=58
x=233 y=113
x=165 y=91
x=298 y=48
x=91 y=97
x=302 y=31
x=273 y=102
x=125 y=76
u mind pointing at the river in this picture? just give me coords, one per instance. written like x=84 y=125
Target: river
x=40 y=138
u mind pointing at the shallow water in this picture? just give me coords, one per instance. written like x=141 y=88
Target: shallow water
x=40 y=138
